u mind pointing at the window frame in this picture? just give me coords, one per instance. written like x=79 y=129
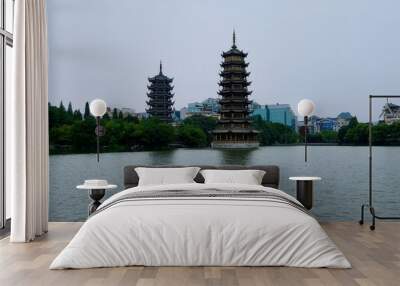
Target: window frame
x=6 y=39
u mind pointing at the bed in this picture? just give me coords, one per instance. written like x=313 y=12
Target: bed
x=198 y=224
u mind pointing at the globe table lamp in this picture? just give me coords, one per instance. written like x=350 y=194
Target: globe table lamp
x=305 y=108
x=98 y=108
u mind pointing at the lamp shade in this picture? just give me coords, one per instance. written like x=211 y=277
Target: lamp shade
x=305 y=107
x=98 y=107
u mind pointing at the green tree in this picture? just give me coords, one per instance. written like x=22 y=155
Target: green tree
x=114 y=135
x=83 y=137
x=153 y=134
x=344 y=129
x=130 y=118
x=357 y=135
x=313 y=138
x=386 y=134
x=206 y=123
x=54 y=118
x=69 y=114
x=70 y=110
x=192 y=136
x=77 y=115
x=87 y=114
x=273 y=133
x=115 y=114
x=328 y=136
x=62 y=114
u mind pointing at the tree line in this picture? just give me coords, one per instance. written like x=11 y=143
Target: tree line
x=70 y=131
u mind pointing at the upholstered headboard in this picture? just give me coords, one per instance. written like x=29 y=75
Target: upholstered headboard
x=271 y=177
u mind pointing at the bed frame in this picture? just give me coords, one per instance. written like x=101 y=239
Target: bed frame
x=270 y=179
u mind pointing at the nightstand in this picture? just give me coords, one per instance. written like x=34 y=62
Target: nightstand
x=304 y=190
x=97 y=190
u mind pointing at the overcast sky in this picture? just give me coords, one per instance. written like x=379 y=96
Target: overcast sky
x=333 y=52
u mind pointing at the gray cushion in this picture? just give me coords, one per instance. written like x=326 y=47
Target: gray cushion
x=270 y=179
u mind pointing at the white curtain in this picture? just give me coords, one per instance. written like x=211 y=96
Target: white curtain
x=27 y=122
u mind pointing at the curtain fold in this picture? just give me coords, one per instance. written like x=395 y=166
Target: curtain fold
x=28 y=121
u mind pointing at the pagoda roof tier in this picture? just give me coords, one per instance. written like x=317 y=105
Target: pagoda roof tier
x=234 y=120
x=158 y=112
x=224 y=102
x=160 y=108
x=161 y=99
x=234 y=100
x=160 y=95
x=234 y=110
x=164 y=87
x=234 y=63
x=227 y=85
x=234 y=92
x=233 y=95
x=160 y=78
x=234 y=52
x=159 y=103
x=242 y=72
x=227 y=80
x=235 y=130
x=153 y=111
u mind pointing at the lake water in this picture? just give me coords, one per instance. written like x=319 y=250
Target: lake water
x=344 y=172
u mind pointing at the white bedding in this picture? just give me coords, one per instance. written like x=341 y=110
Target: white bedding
x=200 y=231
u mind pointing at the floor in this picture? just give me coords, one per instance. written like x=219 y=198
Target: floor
x=375 y=257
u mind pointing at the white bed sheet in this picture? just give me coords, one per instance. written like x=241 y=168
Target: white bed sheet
x=200 y=232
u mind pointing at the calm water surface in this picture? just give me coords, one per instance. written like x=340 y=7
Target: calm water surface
x=344 y=172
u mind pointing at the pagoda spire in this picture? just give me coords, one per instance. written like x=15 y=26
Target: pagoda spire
x=160 y=67
x=234 y=39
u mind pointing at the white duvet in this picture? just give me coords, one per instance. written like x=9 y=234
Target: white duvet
x=199 y=231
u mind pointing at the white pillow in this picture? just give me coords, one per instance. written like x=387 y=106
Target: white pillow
x=248 y=177
x=166 y=176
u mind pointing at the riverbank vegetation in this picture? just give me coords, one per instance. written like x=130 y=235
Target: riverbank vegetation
x=73 y=132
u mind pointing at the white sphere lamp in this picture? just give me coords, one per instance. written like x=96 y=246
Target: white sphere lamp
x=305 y=107
x=98 y=107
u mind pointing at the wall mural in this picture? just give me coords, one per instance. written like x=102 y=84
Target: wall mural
x=219 y=83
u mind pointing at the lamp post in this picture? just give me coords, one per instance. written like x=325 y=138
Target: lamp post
x=98 y=108
x=305 y=108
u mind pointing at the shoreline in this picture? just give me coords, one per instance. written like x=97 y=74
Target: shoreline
x=209 y=148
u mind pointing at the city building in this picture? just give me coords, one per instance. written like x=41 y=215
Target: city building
x=390 y=113
x=327 y=124
x=277 y=113
x=142 y=115
x=176 y=116
x=318 y=124
x=160 y=97
x=208 y=107
x=253 y=106
x=126 y=111
x=343 y=119
x=234 y=126
x=183 y=113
